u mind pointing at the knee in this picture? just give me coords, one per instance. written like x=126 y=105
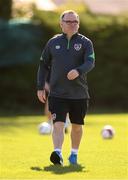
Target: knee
x=58 y=127
x=77 y=128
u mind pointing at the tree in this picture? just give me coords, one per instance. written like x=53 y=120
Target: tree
x=5 y=9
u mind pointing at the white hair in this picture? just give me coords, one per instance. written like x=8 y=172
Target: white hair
x=68 y=12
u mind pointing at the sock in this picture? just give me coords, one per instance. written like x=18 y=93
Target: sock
x=58 y=150
x=74 y=151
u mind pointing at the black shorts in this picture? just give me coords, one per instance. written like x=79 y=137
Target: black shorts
x=76 y=108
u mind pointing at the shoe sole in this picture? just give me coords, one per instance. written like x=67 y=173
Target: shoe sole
x=55 y=159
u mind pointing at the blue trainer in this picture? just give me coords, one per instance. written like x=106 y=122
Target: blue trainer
x=73 y=158
x=56 y=158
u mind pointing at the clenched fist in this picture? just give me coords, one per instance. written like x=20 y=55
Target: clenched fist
x=72 y=74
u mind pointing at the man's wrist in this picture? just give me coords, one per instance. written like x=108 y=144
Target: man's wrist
x=79 y=72
x=40 y=88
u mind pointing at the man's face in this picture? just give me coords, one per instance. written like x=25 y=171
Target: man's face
x=70 y=24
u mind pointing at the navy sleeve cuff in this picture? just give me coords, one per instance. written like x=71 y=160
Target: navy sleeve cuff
x=79 y=71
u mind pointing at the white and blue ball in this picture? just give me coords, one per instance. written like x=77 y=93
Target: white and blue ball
x=45 y=128
x=108 y=132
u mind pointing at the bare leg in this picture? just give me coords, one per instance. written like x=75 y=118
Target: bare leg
x=76 y=135
x=58 y=135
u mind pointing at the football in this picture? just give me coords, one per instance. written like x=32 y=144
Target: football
x=108 y=132
x=45 y=128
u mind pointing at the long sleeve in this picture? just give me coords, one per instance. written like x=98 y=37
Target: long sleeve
x=89 y=59
x=44 y=68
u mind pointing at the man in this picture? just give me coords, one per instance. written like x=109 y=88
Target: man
x=69 y=57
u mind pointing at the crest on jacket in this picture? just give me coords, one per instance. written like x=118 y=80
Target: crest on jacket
x=77 y=47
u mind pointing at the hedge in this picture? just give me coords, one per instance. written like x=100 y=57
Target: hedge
x=5 y=9
x=108 y=81
x=108 y=85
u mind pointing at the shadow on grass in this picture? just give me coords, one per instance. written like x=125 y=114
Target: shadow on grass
x=57 y=169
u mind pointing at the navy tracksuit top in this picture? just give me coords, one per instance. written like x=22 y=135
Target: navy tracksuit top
x=61 y=55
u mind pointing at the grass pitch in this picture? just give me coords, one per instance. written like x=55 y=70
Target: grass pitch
x=24 y=154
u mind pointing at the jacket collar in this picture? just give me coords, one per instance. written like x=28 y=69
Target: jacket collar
x=74 y=35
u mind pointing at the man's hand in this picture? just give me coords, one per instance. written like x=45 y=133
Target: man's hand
x=72 y=74
x=41 y=95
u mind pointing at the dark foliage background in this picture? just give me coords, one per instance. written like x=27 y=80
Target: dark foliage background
x=20 y=49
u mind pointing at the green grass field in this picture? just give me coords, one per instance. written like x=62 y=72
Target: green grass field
x=24 y=154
